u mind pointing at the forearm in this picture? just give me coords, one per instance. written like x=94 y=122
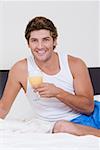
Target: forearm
x=3 y=112
x=75 y=129
x=86 y=130
x=77 y=102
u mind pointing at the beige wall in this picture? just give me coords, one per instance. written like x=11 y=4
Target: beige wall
x=77 y=23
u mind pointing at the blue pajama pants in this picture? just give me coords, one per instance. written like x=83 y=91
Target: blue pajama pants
x=93 y=120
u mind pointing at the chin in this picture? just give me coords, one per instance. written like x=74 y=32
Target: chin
x=42 y=58
x=39 y=58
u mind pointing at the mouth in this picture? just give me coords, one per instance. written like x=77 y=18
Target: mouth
x=41 y=52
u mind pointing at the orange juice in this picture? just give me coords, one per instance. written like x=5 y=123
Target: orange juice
x=35 y=81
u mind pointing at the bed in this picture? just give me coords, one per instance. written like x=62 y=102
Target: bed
x=11 y=138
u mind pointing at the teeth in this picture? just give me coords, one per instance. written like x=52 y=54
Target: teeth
x=41 y=52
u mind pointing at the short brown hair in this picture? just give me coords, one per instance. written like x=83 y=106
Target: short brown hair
x=39 y=23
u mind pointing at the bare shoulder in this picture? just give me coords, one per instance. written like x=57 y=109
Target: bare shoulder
x=19 y=66
x=19 y=71
x=77 y=65
x=81 y=78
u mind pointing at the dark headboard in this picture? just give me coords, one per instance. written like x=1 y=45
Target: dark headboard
x=3 y=79
x=93 y=71
x=95 y=78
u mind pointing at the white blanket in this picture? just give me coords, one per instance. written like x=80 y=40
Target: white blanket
x=12 y=137
x=20 y=135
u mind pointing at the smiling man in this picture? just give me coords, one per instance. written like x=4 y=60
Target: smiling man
x=65 y=97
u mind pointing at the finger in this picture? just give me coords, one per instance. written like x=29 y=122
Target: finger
x=40 y=89
x=43 y=94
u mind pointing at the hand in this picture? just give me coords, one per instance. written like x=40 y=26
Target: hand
x=47 y=90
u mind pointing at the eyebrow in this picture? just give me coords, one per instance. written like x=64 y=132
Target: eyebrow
x=42 y=38
x=46 y=37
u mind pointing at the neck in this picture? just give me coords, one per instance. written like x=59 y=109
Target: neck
x=51 y=66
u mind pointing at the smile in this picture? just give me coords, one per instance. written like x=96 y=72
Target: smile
x=41 y=52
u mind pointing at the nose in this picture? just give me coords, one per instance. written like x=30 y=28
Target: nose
x=40 y=45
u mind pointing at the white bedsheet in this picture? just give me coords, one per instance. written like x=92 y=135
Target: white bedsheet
x=20 y=135
x=12 y=137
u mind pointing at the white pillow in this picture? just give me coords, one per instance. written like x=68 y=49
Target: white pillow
x=97 y=97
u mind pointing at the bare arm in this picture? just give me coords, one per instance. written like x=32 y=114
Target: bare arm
x=82 y=101
x=13 y=86
x=75 y=129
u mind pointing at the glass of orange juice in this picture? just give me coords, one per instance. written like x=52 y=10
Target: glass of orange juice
x=35 y=80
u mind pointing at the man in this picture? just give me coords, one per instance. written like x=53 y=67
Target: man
x=66 y=94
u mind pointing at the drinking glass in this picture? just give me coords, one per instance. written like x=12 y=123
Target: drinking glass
x=35 y=79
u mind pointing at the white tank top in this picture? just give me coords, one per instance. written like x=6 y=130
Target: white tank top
x=52 y=109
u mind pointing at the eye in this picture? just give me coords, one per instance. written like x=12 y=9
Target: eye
x=33 y=40
x=46 y=39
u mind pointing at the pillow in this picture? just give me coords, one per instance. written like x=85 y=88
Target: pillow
x=97 y=97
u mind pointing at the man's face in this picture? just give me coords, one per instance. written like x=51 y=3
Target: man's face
x=41 y=44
